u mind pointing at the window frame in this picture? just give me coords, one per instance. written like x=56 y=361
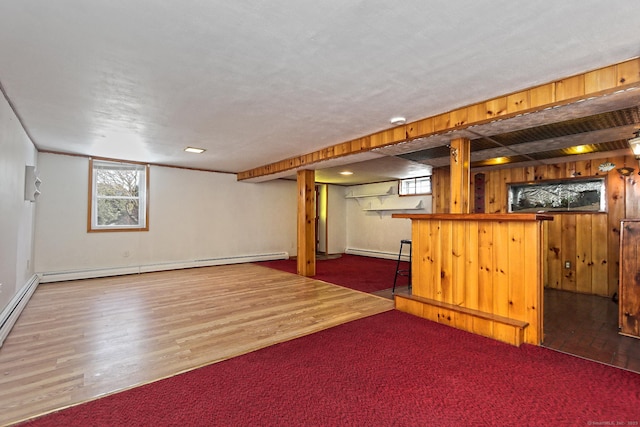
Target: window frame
x=561 y=193
x=92 y=227
x=415 y=181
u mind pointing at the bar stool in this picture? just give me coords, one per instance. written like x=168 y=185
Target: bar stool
x=401 y=272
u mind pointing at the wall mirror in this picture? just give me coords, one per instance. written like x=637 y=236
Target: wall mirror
x=566 y=195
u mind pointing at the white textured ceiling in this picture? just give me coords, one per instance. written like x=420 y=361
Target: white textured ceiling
x=255 y=82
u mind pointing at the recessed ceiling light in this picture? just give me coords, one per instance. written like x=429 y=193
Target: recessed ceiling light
x=498 y=161
x=398 y=120
x=346 y=173
x=581 y=148
x=194 y=150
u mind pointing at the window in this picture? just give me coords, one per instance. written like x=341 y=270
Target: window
x=414 y=186
x=118 y=196
x=567 y=195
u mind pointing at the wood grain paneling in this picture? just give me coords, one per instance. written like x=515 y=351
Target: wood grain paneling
x=616 y=206
x=629 y=311
x=588 y=241
x=568 y=251
x=460 y=175
x=472 y=269
x=306 y=258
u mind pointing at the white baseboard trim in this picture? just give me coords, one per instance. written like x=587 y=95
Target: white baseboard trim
x=60 y=276
x=12 y=311
x=377 y=254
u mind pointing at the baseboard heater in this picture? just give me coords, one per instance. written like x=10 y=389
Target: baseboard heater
x=59 y=276
x=11 y=313
x=376 y=254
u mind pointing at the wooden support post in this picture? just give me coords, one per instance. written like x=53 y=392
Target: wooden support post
x=306 y=223
x=460 y=176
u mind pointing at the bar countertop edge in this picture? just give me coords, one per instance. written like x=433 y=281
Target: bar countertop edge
x=477 y=217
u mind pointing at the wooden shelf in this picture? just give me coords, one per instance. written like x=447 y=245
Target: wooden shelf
x=389 y=192
x=396 y=208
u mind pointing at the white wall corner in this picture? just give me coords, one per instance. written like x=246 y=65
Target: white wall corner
x=12 y=311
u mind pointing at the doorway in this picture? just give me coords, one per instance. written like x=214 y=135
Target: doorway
x=321 y=219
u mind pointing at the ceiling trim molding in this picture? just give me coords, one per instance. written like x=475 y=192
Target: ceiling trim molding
x=591 y=84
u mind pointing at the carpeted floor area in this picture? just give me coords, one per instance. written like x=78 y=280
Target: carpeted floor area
x=388 y=369
x=361 y=273
x=582 y=325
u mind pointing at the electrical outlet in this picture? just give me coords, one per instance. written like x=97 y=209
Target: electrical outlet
x=567 y=264
x=126 y=254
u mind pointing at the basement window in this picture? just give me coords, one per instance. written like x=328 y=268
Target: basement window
x=118 y=196
x=413 y=186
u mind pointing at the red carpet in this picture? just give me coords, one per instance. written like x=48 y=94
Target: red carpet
x=389 y=369
x=361 y=273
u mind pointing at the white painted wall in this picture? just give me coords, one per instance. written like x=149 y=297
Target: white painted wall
x=375 y=233
x=16 y=214
x=194 y=216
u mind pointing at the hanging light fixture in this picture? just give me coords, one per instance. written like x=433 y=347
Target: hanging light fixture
x=634 y=144
x=625 y=171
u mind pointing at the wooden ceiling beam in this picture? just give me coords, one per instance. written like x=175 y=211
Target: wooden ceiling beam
x=600 y=82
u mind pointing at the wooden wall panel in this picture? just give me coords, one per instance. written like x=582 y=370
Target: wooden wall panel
x=600 y=256
x=545 y=265
x=491 y=190
x=554 y=253
x=502 y=276
x=533 y=298
x=590 y=242
x=568 y=251
x=501 y=271
x=441 y=188
x=434 y=252
x=632 y=196
x=616 y=207
x=460 y=176
x=471 y=254
x=584 y=261
x=629 y=313
x=585 y=168
x=504 y=177
x=485 y=260
x=446 y=264
x=458 y=264
x=515 y=248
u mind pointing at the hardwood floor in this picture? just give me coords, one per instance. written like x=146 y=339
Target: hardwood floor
x=76 y=341
x=587 y=326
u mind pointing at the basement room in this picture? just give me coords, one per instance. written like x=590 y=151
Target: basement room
x=299 y=213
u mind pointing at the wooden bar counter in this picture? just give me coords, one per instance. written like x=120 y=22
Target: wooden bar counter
x=482 y=273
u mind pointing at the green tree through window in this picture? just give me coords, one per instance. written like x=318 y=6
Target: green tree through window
x=118 y=196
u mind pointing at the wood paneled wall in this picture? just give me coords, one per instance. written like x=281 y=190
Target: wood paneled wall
x=590 y=242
